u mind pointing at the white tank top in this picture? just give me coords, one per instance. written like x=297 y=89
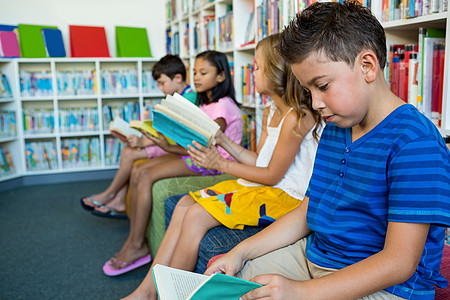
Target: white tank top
x=296 y=180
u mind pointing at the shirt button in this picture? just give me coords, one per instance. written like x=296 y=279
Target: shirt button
x=343 y=161
x=347 y=149
x=341 y=174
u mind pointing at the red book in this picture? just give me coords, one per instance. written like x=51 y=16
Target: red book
x=395 y=75
x=87 y=41
x=436 y=81
x=402 y=79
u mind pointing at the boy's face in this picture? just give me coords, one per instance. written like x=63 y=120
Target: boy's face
x=167 y=86
x=338 y=91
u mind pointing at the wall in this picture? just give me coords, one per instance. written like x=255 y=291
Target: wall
x=107 y=13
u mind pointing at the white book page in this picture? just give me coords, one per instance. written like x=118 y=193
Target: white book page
x=120 y=125
x=175 y=284
x=183 y=107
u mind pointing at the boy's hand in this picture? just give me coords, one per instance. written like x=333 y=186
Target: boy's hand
x=205 y=157
x=228 y=264
x=275 y=287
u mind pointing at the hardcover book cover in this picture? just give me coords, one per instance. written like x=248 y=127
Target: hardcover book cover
x=31 y=40
x=88 y=41
x=132 y=42
x=9 y=45
x=54 y=44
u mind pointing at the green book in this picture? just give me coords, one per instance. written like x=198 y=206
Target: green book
x=31 y=41
x=175 y=284
x=132 y=42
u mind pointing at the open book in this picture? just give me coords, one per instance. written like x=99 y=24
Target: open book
x=121 y=129
x=183 y=122
x=175 y=284
x=147 y=125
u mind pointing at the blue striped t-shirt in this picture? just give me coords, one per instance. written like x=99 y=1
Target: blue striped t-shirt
x=399 y=172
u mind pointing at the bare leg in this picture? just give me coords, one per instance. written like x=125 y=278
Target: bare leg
x=179 y=247
x=127 y=157
x=142 y=179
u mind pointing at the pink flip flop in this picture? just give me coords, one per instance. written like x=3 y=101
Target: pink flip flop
x=127 y=267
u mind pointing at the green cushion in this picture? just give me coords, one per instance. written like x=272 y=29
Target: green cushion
x=165 y=188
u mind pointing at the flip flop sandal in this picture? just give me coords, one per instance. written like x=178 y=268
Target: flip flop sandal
x=125 y=266
x=112 y=213
x=90 y=199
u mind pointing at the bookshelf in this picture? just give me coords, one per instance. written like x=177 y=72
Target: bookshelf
x=62 y=109
x=186 y=22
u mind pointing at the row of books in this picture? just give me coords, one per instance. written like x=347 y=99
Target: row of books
x=205 y=34
x=76 y=82
x=415 y=72
x=71 y=83
x=77 y=119
x=225 y=40
x=387 y=10
x=80 y=152
x=38 y=41
x=248 y=84
x=40 y=156
x=35 y=83
x=127 y=111
x=119 y=81
x=113 y=147
x=38 y=120
x=8 y=126
x=249 y=132
x=6 y=163
x=5 y=87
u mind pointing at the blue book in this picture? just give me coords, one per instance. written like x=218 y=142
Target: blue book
x=180 y=120
x=8 y=27
x=54 y=44
x=173 y=283
x=181 y=134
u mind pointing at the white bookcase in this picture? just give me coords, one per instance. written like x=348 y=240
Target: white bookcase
x=190 y=11
x=59 y=99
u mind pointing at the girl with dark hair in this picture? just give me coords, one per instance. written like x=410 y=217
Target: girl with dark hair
x=216 y=98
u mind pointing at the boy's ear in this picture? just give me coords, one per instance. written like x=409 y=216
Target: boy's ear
x=178 y=78
x=220 y=77
x=368 y=63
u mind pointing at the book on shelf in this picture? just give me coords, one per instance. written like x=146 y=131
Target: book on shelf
x=427 y=38
x=9 y=45
x=6 y=163
x=132 y=42
x=88 y=41
x=53 y=41
x=121 y=129
x=5 y=88
x=31 y=41
x=180 y=120
x=175 y=284
x=147 y=125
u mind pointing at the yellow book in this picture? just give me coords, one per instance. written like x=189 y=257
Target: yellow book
x=147 y=125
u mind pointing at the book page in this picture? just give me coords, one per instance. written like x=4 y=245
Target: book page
x=183 y=107
x=182 y=120
x=175 y=284
x=123 y=127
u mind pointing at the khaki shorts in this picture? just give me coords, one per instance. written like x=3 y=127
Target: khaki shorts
x=291 y=262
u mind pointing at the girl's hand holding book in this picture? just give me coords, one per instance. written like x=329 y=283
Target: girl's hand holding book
x=135 y=142
x=159 y=141
x=206 y=157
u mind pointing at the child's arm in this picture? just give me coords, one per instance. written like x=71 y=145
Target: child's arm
x=238 y=152
x=283 y=156
x=395 y=264
x=163 y=144
x=274 y=237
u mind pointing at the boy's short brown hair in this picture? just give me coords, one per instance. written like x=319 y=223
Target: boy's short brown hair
x=169 y=65
x=339 y=31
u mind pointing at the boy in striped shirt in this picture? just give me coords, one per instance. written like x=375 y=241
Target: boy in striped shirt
x=372 y=223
